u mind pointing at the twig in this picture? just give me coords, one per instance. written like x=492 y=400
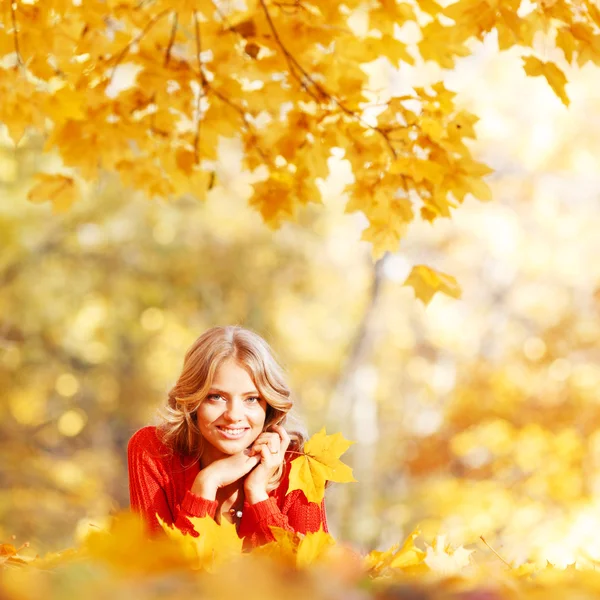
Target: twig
x=13 y=13
x=292 y=5
x=171 y=39
x=294 y=64
x=140 y=4
x=242 y=113
x=137 y=38
x=483 y=540
x=201 y=81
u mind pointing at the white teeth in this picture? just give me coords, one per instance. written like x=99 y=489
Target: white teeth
x=232 y=431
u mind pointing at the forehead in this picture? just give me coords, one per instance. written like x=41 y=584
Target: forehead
x=231 y=376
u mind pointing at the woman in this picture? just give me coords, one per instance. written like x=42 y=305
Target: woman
x=223 y=449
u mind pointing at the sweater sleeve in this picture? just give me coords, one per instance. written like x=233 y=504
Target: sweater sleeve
x=293 y=512
x=148 y=485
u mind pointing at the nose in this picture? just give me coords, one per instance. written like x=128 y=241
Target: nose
x=234 y=410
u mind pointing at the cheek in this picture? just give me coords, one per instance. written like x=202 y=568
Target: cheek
x=205 y=416
x=261 y=416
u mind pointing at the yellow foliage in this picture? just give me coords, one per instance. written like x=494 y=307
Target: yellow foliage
x=146 y=90
x=443 y=559
x=215 y=544
x=58 y=189
x=119 y=547
x=297 y=550
x=426 y=282
x=554 y=76
x=319 y=463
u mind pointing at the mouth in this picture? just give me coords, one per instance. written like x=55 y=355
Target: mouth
x=232 y=433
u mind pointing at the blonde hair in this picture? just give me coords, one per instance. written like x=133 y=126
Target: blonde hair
x=178 y=426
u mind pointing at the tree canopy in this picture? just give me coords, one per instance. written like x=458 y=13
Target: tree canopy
x=146 y=88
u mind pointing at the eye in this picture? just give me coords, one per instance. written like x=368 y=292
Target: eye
x=253 y=399
x=214 y=397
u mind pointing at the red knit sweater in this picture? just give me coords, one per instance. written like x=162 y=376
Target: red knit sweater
x=160 y=482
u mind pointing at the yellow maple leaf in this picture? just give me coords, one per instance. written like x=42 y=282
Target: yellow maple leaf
x=566 y=42
x=407 y=558
x=534 y=67
x=426 y=282
x=313 y=546
x=320 y=463
x=283 y=549
x=443 y=559
x=383 y=236
x=215 y=545
x=409 y=555
x=295 y=549
x=58 y=189
x=125 y=547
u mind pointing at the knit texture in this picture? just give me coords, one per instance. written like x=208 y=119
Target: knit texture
x=160 y=482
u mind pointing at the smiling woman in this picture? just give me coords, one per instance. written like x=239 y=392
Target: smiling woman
x=223 y=448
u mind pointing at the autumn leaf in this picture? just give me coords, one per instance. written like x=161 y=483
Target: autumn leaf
x=282 y=549
x=216 y=543
x=407 y=558
x=427 y=282
x=378 y=560
x=58 y=189
x=312 y=548
x=442 y=558
x=9 y=555
x=118 y=546
x=320 y=463
x=409 y=555
x=296 y=549
x=534 y=67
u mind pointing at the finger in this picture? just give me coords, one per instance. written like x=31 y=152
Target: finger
x=266 y=435
x=284 y=436
x=265 y=455
x=272 y=439
x=270 y=459
x=252 y=462
x=272 y=443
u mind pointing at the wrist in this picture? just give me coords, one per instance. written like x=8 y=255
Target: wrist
x=204 y=487
x=253 y=496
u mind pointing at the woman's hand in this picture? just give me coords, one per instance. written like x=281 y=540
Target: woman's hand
x=222 y=472
x=270 y=448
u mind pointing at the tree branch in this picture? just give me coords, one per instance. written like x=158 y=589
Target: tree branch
x=13 y=14
x=361 y=347
x=171 y=39
x=242 y=113
x=137 y=38
x=294 y=64
x=201 y=81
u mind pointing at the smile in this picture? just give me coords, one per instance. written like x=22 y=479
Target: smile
x=232 y=433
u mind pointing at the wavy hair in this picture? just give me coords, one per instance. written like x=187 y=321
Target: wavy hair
x=178 y=427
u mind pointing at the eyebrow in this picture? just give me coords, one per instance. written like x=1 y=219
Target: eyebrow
x=214 y=389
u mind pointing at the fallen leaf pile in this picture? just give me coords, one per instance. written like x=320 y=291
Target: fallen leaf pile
x=120 y=560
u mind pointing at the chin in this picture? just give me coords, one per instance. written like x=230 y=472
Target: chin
x=233 y=447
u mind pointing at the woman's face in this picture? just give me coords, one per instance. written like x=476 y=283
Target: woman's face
x=233 y=414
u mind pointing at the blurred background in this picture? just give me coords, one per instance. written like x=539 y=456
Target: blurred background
x=472 y=417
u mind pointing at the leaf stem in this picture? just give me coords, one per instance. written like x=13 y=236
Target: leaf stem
x=483 y=540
